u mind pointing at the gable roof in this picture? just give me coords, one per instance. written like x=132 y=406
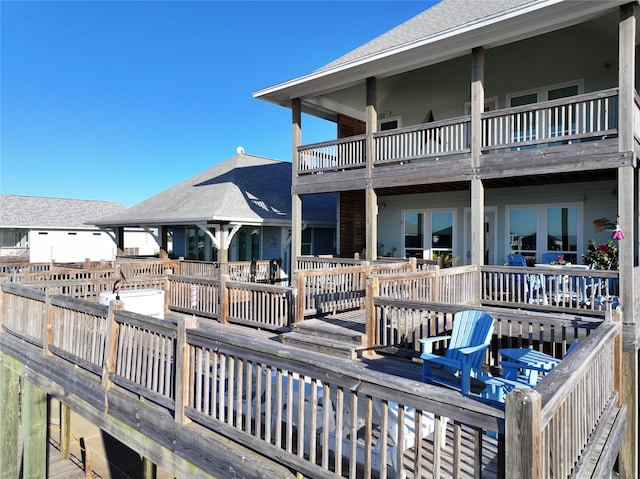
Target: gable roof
x=241 y=189
x=449 y=29
x=32 y=212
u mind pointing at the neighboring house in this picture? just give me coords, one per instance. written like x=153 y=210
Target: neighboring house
x=482 y=128
x=237 y=210
x=39 y=229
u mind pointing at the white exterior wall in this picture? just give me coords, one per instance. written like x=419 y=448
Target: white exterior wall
x=142 y=240
x=595 y=199
x=68 y=246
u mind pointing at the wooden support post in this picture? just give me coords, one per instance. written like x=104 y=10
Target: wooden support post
x=224 y=299
x=371 y=198
x=523 y=434
x=35 y=428
x=373 y=289
x=300 y=295
x=627 y=193
x=148 y=469
x=9 y=419
x=296 y=201
x=65 y=430
x=477 y=246
x=182 y=369
x=111 y=346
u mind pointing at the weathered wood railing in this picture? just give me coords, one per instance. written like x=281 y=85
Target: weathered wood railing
x=576 y=118
x=263 y=305
x=317 y=416
x=90 y=289
x=238 y=270
x=570 y=424
x=550 y=289
x=586 y=117
x=330 y=290
x=401 y=323
x=259 y=305
x=147 y=267
x=344 y=154
x=429 y=140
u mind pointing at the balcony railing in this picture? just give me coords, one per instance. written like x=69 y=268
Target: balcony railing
x=579 y=118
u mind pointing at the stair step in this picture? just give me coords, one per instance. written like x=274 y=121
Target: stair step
x=321 y=344
x=321 y=329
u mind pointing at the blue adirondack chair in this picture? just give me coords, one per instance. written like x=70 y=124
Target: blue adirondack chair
x=550 y=256
x=516 y=260
x=465 y=353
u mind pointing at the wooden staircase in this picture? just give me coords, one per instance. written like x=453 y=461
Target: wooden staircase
x=341 y=335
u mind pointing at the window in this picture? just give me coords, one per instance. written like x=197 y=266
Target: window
x=523 y=226
x=537 y=230
x=428 y=234
x=442 y=234
x=389 y=123
x=562 y=232
x=413 y=235
x=306 y=241
x=528 y=126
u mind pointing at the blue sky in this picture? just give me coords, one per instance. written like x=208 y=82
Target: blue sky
x=119 y=100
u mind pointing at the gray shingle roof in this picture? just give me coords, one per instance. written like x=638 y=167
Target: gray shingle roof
x=445 y=16
x=244 y=188
x=18 y=211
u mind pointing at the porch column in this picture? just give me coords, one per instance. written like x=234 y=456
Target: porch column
x=371 y=198
x=9 y=418
x=35 y=423
x=628 y=458
x=296 y=201
x=477 y=187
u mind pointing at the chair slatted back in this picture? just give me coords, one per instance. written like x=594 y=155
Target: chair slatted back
x=470 y=328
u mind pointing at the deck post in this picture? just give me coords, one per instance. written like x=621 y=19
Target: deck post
x=111 y=346
x=523 y=431
x=9 y=419
x=477 y=246
x=34 y=416
x=182 y=353
x=224 y=299
x=296 y=201
x=373 y=288
x=627 y=192
x=371 y=197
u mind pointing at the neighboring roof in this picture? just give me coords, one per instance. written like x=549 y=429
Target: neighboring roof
x=447 y=30
x=32 y=212
x=241 y=189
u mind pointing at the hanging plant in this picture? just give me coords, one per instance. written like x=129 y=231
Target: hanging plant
x=602 y=256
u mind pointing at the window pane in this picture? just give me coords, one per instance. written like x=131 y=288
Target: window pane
x=562 y=229
x=413 y=228
x=442 y=230
x=522 y=229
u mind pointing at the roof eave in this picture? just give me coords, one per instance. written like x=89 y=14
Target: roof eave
x=531 y=20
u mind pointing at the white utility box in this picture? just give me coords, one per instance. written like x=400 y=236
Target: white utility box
x=143 y=301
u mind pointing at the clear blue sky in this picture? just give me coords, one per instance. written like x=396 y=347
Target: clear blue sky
x=118 y=100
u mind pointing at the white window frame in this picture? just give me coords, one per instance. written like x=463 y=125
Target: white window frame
x=381 y=121
x=427 y=233
x=542 y=227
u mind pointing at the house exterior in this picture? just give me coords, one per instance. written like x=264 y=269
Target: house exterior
x=479 y=129
x=39 y=229
x=237 y=210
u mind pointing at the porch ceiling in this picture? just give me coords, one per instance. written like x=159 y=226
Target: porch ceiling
x=510 y=182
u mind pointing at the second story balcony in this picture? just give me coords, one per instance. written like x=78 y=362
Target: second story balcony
x=573 y=134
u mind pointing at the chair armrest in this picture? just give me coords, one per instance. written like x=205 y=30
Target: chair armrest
x=427 y=343
x=472 y=349
x=509 y=364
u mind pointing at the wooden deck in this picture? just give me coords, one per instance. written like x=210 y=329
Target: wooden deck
x=318 y=413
